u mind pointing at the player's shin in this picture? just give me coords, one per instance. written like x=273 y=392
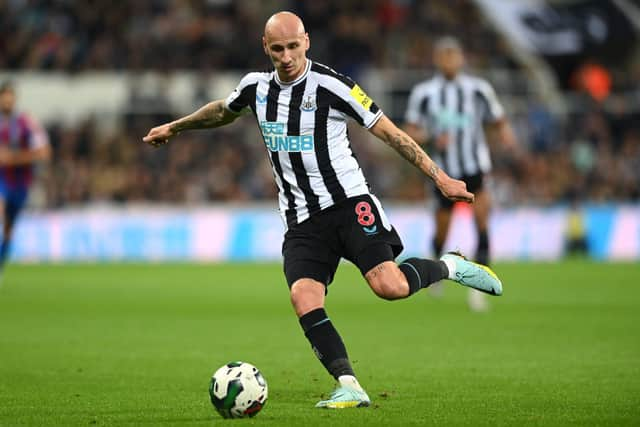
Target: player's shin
x=421 y=273
x=482 y=251
x=326 y=343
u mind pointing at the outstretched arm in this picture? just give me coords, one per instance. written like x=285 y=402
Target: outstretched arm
x=212 y=115
x=411 y=151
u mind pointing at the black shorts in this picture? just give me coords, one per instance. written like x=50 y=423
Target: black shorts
x=353 y=229
x=474 y=183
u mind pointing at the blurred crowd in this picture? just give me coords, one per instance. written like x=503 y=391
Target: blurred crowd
x=591 y=154
x=587 y=157
x=166 y=35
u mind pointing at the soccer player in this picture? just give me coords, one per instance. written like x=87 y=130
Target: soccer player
x=302 y=109
x=22 y=143
x=447 y=114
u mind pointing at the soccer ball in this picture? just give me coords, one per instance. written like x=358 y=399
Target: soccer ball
x=238 y=390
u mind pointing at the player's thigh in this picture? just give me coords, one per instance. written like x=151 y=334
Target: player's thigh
x=366 y=235
x=308 y=254
x=482 y=209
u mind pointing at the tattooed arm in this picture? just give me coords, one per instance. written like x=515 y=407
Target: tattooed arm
x=212 y=115
x=411 y=151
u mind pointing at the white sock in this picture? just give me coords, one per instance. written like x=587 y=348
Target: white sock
x=451 y=266
x=349 y=381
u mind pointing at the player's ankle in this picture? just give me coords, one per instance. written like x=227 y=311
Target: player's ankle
x=350 y=381
x=451 y=267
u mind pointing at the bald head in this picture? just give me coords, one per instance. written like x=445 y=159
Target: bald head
x=286 y=43
x=283 y=25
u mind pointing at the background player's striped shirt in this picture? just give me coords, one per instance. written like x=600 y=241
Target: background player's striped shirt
x=458 y=108
x=19 y=132
x=304 y=128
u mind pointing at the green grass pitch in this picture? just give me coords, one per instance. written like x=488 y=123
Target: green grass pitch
x=136 y=345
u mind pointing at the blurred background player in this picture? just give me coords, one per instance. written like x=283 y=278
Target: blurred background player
x=447 y=114
x=22 y=143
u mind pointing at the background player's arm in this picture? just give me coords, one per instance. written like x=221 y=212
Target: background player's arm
x=24 y=157
x=503 y=131
x=212 y=115
x=411 y=151
x=417 y=133
x=420 y=135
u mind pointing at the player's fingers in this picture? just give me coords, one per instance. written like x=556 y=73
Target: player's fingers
x=160 y=142
x=151 y=137
x=466 y=197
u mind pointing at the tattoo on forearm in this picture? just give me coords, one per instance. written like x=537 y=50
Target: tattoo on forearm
x=211 y=115
x=406 y=147
x=413 y=153
x=433 y=171
x=405 y=150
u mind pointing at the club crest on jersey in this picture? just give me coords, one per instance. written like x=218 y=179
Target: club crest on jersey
x=308 y=103
x=261 y=99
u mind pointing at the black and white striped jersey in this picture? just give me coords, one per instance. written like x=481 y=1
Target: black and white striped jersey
x=304 y=128
x=458 y=108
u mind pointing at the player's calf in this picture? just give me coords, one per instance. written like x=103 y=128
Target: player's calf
x=387 y=281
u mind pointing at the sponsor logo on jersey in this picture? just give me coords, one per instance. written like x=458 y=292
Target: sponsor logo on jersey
x=276 y=139
x=359 y=95
x=308 y=103
x=448 y=119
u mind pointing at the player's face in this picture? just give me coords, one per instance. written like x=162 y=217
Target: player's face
x=288 y=55
x=7 y=101
x=449 y=61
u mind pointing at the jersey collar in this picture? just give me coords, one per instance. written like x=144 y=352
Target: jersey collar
x=443 y=79
x=302 y=76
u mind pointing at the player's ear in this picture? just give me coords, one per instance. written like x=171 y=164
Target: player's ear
x=264 y=46
x=307 y=42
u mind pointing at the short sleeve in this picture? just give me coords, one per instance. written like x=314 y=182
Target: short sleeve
x=413 y=114
x=242 y=99
x=366 y=111
x=349 y=98
x=493 y=109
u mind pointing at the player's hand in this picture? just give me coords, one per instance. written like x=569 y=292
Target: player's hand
x=159 y=135
x=442 y=141
x=5 y=156
x=454 y=189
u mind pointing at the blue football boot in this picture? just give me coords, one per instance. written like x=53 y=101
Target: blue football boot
x=473 y=275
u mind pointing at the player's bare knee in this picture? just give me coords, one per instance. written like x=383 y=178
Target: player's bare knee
x=306 y=295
